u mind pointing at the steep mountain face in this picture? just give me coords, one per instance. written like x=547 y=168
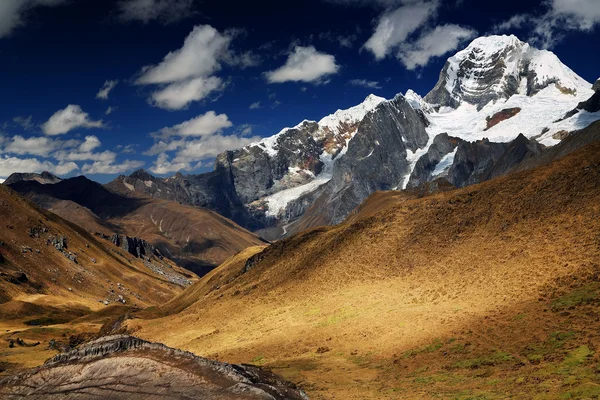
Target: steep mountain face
x=131 y=368
x=496 y=68
x=196 y=239
x=488 y=95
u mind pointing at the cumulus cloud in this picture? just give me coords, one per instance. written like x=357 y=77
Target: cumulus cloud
x=70 y=118
x=191 y=153
x=110 y=110
x=85 y=151
x=187 y=74
x=38 y=146
x=434 y=43
x=203 y=125
x=9 y=165
x=106 y=89
x=211 y=146
x=365 y=83
x=177 y=96
x=163 y=166
x=255 y=106
x=110 y=167
x=200 y=56
x=164 y=11
x=304 y=64
x=549 y=27
x=13 y=13
x=90 y=143
x=195 y=141
x=394 y=26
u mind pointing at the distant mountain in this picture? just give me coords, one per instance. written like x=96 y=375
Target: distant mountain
x=43 y=178
x=498 y=95
x=195 y=238
x=43 y=257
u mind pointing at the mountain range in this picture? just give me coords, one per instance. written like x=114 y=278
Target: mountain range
x=499 y=94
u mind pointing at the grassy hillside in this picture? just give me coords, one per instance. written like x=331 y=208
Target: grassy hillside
x=57 y=281
x=484 y=292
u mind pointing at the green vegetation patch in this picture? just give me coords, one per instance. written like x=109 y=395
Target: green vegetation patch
x=584 y=295
x=496 y=358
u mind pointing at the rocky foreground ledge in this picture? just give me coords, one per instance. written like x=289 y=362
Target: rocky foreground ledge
x=125 y=367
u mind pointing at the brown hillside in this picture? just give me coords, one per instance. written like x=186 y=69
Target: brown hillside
x=53 y=272
x=195 y=238
x=484 y=291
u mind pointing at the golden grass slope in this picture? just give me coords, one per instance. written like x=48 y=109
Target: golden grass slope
x=484 y=292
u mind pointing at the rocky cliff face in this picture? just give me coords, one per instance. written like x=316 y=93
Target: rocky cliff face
x=125 y=367
x=377 y=157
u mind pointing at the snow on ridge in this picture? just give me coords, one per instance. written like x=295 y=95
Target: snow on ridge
x=445 y=163
x=278 y=202
x=352 y=114
x=537 y=112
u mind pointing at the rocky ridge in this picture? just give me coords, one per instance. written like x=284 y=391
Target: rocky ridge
x=131 y=368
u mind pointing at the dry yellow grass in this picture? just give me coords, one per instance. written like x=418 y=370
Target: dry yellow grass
x=446 y=296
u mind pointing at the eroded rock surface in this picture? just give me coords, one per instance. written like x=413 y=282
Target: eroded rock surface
x=125 y=367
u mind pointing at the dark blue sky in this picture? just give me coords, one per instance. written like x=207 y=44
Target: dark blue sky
x=62 y=55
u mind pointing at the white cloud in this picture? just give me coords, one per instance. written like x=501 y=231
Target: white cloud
x=394 y=27
x=38 y=146
x=584 y=13
x=13 y=13
x=203 y=125
x=187 y=74
x=165 y=11
x=163 y=146
x=211 y=146
x=206 y=143
x=255 y=106
x=109 y=167
x=365 y=83
x=304 y=64
x=106 y=89
x=200 y=56
x=68 y=119
x=25 y=122
x=177 y=96
x=9 y=165
x=548 y=28
x=90 y=143
x=110 y=110
x=105 y=156
x=433 y=44
x=163 y=166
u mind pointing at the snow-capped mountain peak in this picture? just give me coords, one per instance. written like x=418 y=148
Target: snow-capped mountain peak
x=497 y=67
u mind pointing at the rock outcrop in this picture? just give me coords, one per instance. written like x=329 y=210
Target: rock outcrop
x=125 y=367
